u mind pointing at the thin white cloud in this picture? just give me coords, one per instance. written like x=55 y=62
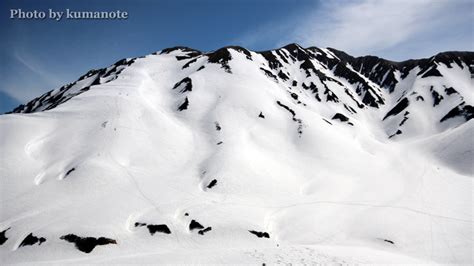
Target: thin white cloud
x=33 y=79
x=376 y=26
x=35 y=66
x=22 y=93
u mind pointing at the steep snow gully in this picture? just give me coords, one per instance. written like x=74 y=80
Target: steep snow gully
x=294 y=155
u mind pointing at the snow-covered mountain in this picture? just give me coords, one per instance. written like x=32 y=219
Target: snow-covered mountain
x=301 y=155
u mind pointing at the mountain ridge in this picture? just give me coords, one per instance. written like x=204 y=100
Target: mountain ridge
x=286 y=156
x=382 y=74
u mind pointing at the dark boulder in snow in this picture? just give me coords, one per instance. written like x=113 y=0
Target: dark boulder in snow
x=212 y=183
x=184 y=105
x=340 y=117
x=396 y=133
x=294 y=96
x=162 y=228
x=153 y=228
x=3 y=237
x=69 y=172
x=87 y=244
x=203 y=231
x=405 y=118
x=31 y=240
x=260 y=234
x=195 y=225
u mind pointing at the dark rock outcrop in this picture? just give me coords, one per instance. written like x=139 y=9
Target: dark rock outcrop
x=260 y=234
x=31 y=240
x=87 y=244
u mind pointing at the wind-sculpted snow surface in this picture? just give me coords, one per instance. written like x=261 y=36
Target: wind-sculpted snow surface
x=295 y=155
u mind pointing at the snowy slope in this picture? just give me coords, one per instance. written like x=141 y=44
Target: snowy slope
x=233 y=156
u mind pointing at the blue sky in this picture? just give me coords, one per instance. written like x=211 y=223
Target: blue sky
x=40 y=55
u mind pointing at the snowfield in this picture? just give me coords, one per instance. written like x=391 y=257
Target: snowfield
x=234 y=157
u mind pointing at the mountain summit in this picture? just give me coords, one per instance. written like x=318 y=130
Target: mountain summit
x=294 y=155
x=331 y=77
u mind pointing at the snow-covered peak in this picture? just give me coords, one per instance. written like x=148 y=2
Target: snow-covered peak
x=438 y=88
x=293 y=155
